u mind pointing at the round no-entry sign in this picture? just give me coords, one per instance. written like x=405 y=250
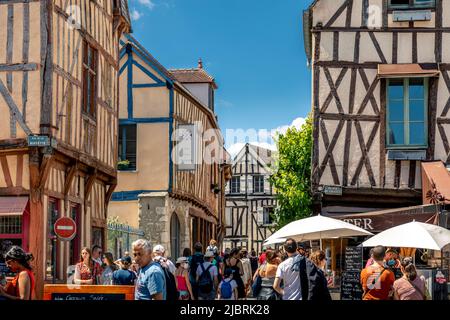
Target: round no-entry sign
x=65 y=228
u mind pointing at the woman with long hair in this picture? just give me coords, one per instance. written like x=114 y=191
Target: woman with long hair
x=318 y=284
x=108 y=270
x=267 y=271
x=234 y=263
x=410 y=286
x=23 y=285
x=182 y=276
x=87 y=271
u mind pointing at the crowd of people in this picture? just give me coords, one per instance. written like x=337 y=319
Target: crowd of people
x=292 y=273
x=378 y=278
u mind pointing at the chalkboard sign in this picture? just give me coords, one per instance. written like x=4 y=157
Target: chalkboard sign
x=350 y=286
x=87 y=296
x=353 y=259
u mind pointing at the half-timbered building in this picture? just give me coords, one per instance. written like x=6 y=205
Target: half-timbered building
x=250 y=199
x=381 y=100
x=59 y=117
x=173 y=202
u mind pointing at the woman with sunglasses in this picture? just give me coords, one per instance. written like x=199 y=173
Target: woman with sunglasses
x=22 y=286
x=87 y=271
x=318 y=284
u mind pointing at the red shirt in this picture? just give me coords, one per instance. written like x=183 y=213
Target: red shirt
x=262 y=258
x=13 y=287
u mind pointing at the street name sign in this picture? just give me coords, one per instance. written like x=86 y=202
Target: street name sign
x=38 y=141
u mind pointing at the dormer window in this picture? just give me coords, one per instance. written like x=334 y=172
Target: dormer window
x=411 y=4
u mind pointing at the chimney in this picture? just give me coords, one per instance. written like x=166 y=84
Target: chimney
x=200 y=63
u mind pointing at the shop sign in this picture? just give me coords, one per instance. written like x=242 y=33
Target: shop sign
x=332 y=190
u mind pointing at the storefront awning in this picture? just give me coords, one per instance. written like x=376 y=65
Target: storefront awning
x=13 y=206
x=377 y=221
x=414 y=70
x=435 y=179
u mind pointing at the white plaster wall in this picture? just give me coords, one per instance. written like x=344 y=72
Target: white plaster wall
x=405 y=48
x=385 y=42
x=368 y=51
x=346 y=46
x=344 y=90
x=200 y=91
x=325 y=9
x=445 y=47
x=425 y=47
x=357 y=14
x=326 y=46
x=446 y=13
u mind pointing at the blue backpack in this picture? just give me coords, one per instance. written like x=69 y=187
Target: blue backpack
x=225 y=291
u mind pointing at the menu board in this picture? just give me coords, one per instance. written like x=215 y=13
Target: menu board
x=350 y=286
x=353 y=259
x=350 y=280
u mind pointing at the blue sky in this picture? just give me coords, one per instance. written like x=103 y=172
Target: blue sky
x=254 y=49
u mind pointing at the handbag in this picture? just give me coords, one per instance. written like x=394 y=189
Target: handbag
x=257 y=285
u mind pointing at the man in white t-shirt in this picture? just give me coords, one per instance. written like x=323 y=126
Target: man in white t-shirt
x=207 y=266
x=291 y=279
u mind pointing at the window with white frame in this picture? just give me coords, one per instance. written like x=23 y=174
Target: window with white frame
x=268 y=213
x=406 y=116
x=258 y=184
x=236 y=184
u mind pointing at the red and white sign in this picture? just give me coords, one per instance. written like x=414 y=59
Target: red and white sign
x=65 y=228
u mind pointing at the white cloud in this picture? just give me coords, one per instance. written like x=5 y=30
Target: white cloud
x=262 y=138
x=224 y=103
x=148 y=3
x=135 y=15
x=297 y=123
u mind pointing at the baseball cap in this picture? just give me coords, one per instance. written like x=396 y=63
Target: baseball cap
x=158 y=248
x=181 y=260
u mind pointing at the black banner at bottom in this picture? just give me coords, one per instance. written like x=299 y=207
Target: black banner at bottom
x=203 y=310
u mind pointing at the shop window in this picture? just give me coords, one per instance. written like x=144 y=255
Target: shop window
x=407 y=113
x=52 y=256
x=127 y=147
x=412 y=4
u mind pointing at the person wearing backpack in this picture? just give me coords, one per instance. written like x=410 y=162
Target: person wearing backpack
x=194 y=261
x=207 y=281
x=171 y=283
x=228 y=287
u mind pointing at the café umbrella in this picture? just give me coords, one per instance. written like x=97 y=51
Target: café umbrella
x=274 y=241
x=318 y=227
x=412 y=235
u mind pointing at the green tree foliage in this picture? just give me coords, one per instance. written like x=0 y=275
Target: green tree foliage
x=292 y=177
